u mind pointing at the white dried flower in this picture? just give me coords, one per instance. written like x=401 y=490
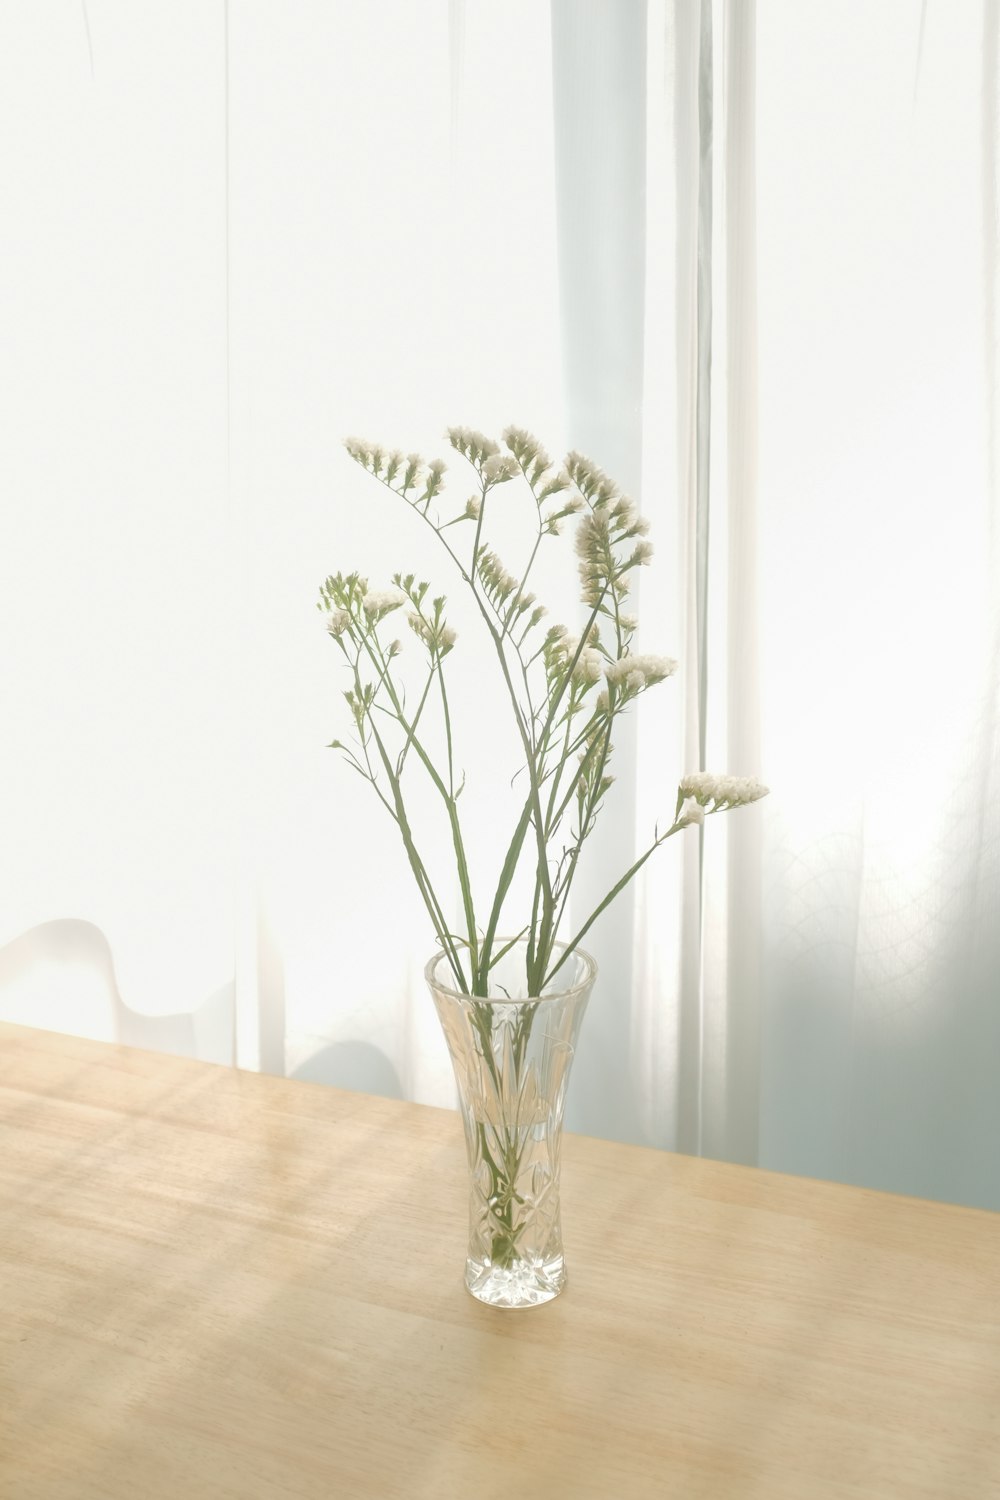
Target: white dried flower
x=724 y=791
x=522 y=444
x=691 y=812
x=380 y=601
x=624 y=513
x=474 y=445
x=700 y=785
x=413 y=472
x=473 y=506
x=441 y=639
x=628 y=622
x=499 y=583
x=590 y=667
x=589 y=479
x=655 y=668
x=338 y=622
x=639 y=671
x=592 y=541
x=499 y=467
x=746 y=789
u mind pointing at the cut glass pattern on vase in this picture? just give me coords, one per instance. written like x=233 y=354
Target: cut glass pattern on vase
x=512 y=1056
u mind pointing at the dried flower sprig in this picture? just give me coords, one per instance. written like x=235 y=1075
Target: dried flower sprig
x=566 y=691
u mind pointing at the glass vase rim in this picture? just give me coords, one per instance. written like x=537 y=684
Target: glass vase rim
x=590 y=974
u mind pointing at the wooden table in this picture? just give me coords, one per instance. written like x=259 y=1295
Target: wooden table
x=216 y=1284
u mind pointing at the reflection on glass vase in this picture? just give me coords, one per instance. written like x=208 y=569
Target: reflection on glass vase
x=512 y=1055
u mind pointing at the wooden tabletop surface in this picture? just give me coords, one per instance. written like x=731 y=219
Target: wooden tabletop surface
x=221 y=1286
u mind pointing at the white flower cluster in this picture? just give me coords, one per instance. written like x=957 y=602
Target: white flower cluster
x=691 y=812
x=611 y=522
x=498 y=582
x=338 y=622
x=361 y=451
x=525 y=447
x=632 y=673
x=639 y=671
x=593 y=545
x=570 y=506
x=562 y=647
x=590 y=667
x=379 y=602
x=538 y=471
x=590 y=480
x=474 y=445
x=724 y=791
x=499 y=467
x=439 y=638
x=392 y=468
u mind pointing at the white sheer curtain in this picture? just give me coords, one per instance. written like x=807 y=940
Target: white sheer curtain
x=745 y=257
x=117 y=745
x=880 y=593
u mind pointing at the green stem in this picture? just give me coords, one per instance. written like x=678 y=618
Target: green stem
x=447 y=727
x=535 y=752
x=507 y=947
x=449 y=799
x=579 y=773
x=417 y=865
x=534 y=803
x=521 y=588
x=620 y=886
x=548 y=928
x=416 y=720
x=557 y=776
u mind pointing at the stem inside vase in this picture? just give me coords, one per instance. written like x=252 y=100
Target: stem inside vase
x=512 y=1055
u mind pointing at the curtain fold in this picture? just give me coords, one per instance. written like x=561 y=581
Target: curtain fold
x=730 y=1130
x=116 y=796
x=876 y=243
x=599 y=110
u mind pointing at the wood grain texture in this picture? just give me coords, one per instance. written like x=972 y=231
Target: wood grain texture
x=221 y=1286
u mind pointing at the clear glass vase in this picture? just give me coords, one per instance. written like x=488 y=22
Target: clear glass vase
x=512 y=1055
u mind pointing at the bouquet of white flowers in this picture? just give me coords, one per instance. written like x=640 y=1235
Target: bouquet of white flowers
x=566 y=690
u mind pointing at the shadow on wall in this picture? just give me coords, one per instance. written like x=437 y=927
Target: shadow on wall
x=357 y=1066
x=60 y=976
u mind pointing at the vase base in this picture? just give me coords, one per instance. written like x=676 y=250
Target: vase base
x=520 y=1285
